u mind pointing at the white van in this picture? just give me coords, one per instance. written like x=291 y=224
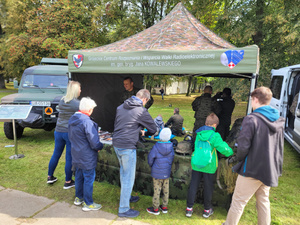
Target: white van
x=285 y=85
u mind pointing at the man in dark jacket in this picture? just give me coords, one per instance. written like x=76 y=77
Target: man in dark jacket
x=227 y=105
x=131 y=118
x=175 y=122
x=260 y=155
x=85 y=144
x=131 y=90
x=203 y=106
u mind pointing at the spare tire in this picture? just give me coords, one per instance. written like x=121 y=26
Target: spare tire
x=8 y=130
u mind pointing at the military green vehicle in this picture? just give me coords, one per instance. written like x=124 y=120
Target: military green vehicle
x=41 y=86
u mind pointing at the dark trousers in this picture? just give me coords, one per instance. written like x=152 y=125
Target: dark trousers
x=208 y=180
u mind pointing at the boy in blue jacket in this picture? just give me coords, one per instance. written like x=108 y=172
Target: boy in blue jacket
x=160 y=160
x=85 y=144
x=207 y=133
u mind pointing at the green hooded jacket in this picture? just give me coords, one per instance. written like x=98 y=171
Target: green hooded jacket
x=216 y=143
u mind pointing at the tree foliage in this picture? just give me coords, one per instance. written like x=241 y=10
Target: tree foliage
x=49 y=28
x=37 y=29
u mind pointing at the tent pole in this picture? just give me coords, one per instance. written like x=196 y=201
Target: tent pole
x=252 y=87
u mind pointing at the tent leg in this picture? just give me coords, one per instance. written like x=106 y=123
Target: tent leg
x=252 y=87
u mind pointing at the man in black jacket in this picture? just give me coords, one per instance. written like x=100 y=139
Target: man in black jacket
x=227 y=105
x=260 y=155
x=131 y=118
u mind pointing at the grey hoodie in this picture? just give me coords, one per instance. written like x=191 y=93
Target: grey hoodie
x=260 y=148
x=66 y=110
x=131 y=117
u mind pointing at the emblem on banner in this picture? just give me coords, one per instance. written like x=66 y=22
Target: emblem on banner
x=231 y=58
x=78 y=60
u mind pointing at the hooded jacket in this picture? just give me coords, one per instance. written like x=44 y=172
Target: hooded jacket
x=216 y=142
x=160 y=159
x=66 y=110
x=260 y=146
x=83 y=135
x=131 y=118
x=159 y=123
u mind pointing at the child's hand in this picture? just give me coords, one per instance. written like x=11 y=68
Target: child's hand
x=143 y=132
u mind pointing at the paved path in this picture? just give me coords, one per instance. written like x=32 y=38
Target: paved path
x=20 y=208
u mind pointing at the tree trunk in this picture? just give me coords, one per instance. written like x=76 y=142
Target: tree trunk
x=2 y=83
x=189 y=86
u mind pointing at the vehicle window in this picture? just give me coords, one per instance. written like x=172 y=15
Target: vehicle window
x=45 y=81
x=276 y=84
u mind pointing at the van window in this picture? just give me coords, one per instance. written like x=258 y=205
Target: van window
x=276 y=84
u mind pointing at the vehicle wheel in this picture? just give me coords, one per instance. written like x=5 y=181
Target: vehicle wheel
x=49 y=126
x=9 y=132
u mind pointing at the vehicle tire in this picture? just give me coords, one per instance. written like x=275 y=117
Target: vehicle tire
x=9 y=132
x=49 y=126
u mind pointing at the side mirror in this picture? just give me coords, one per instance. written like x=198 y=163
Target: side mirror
x=16 y=85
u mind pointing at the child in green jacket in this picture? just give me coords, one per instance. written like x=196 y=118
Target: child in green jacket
x=206 y=133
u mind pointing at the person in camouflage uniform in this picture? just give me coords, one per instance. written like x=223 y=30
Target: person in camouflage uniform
x=131 y=90
x=203 y=106
x=175 y=122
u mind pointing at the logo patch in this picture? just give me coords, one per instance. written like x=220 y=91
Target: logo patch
x=78 y=60
x=231 y=58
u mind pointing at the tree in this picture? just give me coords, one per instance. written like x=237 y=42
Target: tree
x=272 y=25
x=48 y=28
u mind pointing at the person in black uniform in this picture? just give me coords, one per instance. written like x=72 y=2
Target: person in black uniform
x=227 y=105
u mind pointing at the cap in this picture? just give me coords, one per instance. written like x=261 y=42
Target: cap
x=165 y=134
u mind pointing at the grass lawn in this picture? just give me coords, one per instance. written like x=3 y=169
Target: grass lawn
x=29 y=174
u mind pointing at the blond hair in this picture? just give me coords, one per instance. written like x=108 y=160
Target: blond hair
x=263 y=94
x=73 y=91
x=212 y=119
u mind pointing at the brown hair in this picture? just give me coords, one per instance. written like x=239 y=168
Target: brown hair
x=212 y=119
x=208 y=89
x=263 y=94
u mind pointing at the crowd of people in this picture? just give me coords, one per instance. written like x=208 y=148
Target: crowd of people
x=259 y=148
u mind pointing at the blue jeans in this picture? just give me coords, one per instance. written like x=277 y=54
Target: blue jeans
x=84 y=184
x=127 y=160
x=61 y=140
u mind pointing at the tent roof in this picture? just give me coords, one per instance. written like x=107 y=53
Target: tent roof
x=179 y=30
x=179 y=44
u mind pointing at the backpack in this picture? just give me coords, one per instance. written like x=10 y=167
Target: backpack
x=202 y=154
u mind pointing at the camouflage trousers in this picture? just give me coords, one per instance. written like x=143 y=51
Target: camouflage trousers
x=159 y=184
x=199 y=122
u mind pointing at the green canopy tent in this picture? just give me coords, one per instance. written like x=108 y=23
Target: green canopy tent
x=177 y=45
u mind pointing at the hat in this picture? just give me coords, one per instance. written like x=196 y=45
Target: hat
x=165 y=134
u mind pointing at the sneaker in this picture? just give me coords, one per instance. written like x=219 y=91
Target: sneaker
x=91 y=207
x=69 y=185
x=207 y=213
x=163 y=209
x=134 y=199
x=130 y=213
x=188 y=212
x=153 y=211
x=51 y=180
x=78 y=201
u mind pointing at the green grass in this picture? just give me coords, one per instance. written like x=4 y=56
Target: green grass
x=29 y=174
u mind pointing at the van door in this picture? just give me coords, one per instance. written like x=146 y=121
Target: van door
x=278 y=83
